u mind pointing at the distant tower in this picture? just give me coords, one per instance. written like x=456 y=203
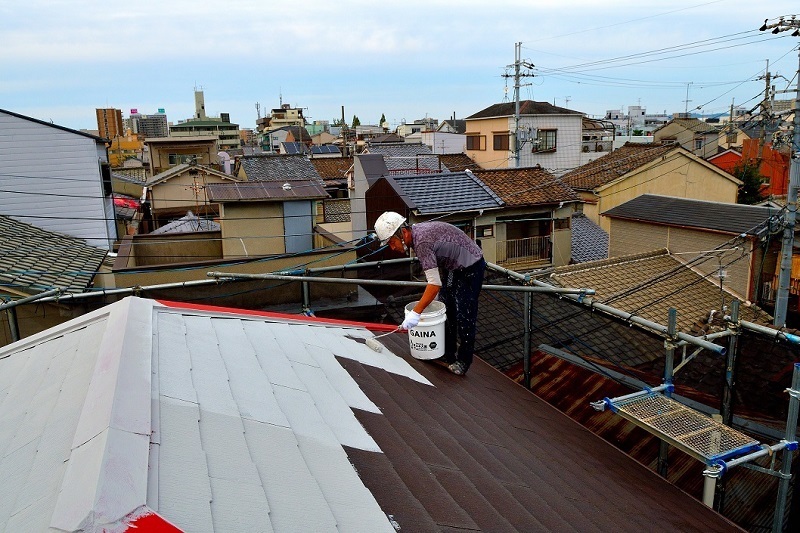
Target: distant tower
x=199 y=105
x=109 y=123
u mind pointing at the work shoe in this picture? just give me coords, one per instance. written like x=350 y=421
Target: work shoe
x=458 y=368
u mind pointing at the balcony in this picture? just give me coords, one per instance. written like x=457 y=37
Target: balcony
x=519 y=254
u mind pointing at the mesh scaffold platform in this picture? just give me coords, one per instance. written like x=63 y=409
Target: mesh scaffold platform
x=695 y=433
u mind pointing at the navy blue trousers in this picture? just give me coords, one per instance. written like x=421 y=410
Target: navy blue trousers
x=459 y=292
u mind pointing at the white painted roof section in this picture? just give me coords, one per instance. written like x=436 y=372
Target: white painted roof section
x=216 y=421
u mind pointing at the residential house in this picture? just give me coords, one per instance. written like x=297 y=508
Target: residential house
x=407 y=158
x=174 y=417
x=727 y=160
x=533 y=229
x=636 y=169
x=182 y=188
x=167 y=152
x=441 y=142
x=267 y=217
x=773 y=164
x=728 y=238
x=418 y=126
x=549 y=136
x=693 y=134
x=453 y=125
x=42 y=189
x=285 y=115
x=34 y=260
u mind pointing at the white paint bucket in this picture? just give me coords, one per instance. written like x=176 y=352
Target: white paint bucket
x=426 y=339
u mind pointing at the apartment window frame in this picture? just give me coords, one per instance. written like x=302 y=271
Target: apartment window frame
x=476 y=141
x=501 y=141
x=546 y=140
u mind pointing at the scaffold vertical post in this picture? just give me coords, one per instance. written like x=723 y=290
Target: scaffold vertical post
x=526 y=345
x=726 y=409
x=669 y=365
x=786 y=456
x=306 y=294
x=13 y=323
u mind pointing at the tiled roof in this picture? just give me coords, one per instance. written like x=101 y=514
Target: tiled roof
x=245 y=421
x=188 y=223
x=408 y=157
x=458 y=162
x=589 y=241
x=684 y=212
x=526 y=107
x=615 y=164
x=279 y=168
x=34 y=260
x=265 y=190
x=332 y=167
x=447 y=192
x=649 y=284
x=526 y=186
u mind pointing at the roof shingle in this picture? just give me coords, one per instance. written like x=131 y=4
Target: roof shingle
x=615 y=164
x=526 y=186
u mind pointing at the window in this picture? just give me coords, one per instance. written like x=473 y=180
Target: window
x=561 y=223
x=484 y=231
x=501 y=141
x=698 y=143
x=476 y=142
x=177 y=159
x=545 y=141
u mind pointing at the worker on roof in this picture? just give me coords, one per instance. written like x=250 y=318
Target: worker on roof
x=453 y=265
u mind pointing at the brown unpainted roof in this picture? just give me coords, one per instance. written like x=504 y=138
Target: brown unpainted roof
x=458 y=162
x=265 y=190
x=526 y=186
x=649 y=284
x=526 y=107
x=332 y=168
x=615 y=164
x=480 y=453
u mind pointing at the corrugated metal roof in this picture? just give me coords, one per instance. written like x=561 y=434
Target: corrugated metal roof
x=265 y=190
x=447 y=192
x=226 y=420
x=730 y=218
x=34 y=260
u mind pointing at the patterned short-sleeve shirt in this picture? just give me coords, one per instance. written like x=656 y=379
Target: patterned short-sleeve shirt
x=439 y=244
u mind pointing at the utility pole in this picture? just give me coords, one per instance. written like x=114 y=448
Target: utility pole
x=518 y=64
x=784 y=279
x=766 y=113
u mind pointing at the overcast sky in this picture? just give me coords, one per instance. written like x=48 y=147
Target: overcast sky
x=61 y=59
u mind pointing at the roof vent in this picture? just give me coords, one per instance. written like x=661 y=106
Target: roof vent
x=287 y=186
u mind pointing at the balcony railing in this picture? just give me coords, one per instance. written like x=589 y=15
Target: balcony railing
x=769 y=286
x=527 y=250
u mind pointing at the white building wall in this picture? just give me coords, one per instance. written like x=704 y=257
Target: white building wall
x=443 y=143
x=569 y=142
x=51 y=178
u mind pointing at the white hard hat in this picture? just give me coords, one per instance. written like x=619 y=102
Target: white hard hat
x=387 y=225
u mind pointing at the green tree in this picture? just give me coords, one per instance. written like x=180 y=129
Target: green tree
x=750 y=189
x=337 y=122
x=382 y=120
x=356 y=122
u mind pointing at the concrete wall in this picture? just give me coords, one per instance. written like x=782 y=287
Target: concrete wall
x=151 y=250
x=252 y=229
x=630 y=237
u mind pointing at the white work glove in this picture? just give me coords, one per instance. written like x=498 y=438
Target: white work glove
x=412 y=319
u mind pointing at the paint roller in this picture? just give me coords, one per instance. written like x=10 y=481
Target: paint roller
x=373 y=343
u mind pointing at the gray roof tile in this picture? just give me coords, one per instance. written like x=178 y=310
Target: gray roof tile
x=684 y=212
x=447 y=192
x=408 y=157
x=589 y=241
x=282 y=168
x=34 y=260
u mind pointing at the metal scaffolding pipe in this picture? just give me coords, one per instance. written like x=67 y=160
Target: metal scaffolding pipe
x=28 y=299
x=771 y=332
x=357 y=281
